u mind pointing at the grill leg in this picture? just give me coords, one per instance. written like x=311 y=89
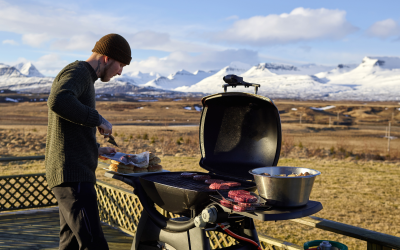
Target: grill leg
x=149 y=234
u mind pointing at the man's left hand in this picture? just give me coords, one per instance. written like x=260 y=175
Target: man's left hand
x=106 y=150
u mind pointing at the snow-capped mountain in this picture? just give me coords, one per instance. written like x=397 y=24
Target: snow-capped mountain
x=374 y=79
x=28 y=69
x=212 y=84
x=9 y=72
x=137 y=77
x=305 y=69
x=11 y=78
x=178 y=79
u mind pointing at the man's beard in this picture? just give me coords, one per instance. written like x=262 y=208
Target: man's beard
x=104 y=76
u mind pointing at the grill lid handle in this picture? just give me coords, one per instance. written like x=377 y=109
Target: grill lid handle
x=234 y=80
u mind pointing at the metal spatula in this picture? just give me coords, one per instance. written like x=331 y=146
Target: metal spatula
x=112 y=140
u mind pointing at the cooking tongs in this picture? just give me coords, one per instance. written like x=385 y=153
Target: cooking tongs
x=234 y=80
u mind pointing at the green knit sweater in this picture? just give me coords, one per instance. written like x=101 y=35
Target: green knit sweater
x=71 y=148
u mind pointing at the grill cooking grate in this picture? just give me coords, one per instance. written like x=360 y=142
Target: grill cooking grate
x=175 y=179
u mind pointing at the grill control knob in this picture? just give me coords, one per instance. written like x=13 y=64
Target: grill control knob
x=209 y=215
x=199 y=222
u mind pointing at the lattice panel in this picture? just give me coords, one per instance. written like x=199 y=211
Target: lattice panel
x=220 y=240
x=118 y=209
x=25 y=191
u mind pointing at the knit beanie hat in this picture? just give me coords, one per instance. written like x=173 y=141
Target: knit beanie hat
x=115 y=47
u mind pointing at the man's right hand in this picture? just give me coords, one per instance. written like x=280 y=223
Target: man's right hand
x=105 y=127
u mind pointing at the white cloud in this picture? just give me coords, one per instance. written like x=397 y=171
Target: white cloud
x=69 y=30
x=50 y=64
x=11 y=42
x=204 y=61
x=299 y=25
x=35 y=40
x=384 y=29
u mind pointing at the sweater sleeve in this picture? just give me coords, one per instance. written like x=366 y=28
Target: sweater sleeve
x=64 y=99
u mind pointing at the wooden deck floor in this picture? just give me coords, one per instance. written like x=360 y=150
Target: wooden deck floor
x=39 y=229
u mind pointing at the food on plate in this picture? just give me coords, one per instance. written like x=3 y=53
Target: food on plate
x=245 y=198
x=201 y=177
x=188 y=175
x=121 y=168
x=233 y=193
x=226 y=203
x=210 y=181
x=154 y=165
x=154 y=168
x=154 y=160
x=219 y=186
x=242 y=209
x=140 y=170
x=232 y=183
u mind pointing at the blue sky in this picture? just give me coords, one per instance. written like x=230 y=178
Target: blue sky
x=166 y=36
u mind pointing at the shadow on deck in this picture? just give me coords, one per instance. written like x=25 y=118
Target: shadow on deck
x=39 y=229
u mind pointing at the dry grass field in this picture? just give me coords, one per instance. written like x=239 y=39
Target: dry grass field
x=359 y=181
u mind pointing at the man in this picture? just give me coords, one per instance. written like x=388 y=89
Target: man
x=71 y=147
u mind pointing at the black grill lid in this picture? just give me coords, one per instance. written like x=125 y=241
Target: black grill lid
x=239 y=132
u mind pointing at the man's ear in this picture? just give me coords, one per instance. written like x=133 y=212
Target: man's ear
x=106 y=59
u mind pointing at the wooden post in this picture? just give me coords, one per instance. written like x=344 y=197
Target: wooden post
x=389 y=139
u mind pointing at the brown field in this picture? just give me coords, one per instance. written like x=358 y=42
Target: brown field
x=358 y=184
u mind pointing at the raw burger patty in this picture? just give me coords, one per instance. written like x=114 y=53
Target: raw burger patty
x=232 y=183
x=218 y=186
x=244 y=204
x=199 y=177
x=233 y=193
x=226 y=203
x=245 y=198
x=210 y=181
x=242 y=209
x=188 y=175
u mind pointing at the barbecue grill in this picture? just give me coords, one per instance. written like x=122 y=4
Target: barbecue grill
x=238 y=132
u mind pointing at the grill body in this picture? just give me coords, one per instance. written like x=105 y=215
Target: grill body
x=181 y=195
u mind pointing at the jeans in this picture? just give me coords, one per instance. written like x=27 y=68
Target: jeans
x=80 y=226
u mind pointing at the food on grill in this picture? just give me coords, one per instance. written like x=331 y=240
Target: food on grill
x=243 y=209
x=210 y=181
x=219 y=186
x=245 y=204
x=226 y=203
x=232 y=183
x=154 y=168
x=188 y=175
x=245 y=198
x=201 y=177
x=233 y=193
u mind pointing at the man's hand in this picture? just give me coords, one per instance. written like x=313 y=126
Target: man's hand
x=105 y=127
x=106 y=150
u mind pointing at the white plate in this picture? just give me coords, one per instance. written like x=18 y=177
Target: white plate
x=136 y=174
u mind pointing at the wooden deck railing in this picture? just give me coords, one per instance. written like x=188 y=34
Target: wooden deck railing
x=122 y=209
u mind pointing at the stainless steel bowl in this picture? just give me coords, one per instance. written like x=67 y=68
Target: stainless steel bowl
x=284 y=191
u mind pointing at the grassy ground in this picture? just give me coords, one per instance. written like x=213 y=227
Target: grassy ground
x=363 y=194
